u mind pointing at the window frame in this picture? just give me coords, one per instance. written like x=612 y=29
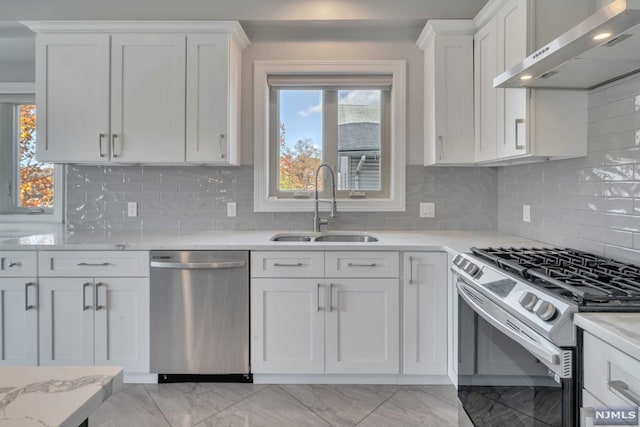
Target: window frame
x=330 y=152
x=264 y=153
x=24 y=93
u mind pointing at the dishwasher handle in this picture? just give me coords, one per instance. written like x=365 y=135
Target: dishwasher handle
x=199 y=265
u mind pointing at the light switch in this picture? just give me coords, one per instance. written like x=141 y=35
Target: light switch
x=231 y=208
x=132 y=209
x=427 y=210
x=526 y=213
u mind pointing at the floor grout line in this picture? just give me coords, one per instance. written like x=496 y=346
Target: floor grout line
x=302 y=403
x=233 y=404
x=376 y=408
x=156 y=405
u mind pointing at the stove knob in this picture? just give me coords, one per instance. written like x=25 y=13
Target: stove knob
x=457 y=260
x=472 y=269
x=528 y=300
x=546 y=311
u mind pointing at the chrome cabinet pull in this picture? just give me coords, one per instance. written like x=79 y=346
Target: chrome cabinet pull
x=441 y=139
x=85 y=307
x=98 y=306
x=318 y=296
x=28 y=306
x=222 y=145
x=355 y=264
x=518 y=122
x=198 y=265
x=411 y=281
x=2 y=263
x=91 y=264
x=100 y=138
x=297 y=264
x=330 y=297
x=113 y=144
x=623 y=388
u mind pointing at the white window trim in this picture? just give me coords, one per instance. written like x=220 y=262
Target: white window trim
x=59 y=189
x=262 y=69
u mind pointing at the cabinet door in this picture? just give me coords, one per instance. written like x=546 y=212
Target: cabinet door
x=485 y=69
x=148 y=98
x=287 y=326
x=72 y=97
x=66 y=321
x=362 y=326
x=18 y=321
x=453 y=88
x=512 y=103
x=425 y=313
x=208 y=99
x=122 y=323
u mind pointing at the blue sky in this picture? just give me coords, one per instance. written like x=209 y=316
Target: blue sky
x=300 y=111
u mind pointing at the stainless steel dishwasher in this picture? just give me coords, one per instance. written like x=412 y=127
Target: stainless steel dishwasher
x=200 y=315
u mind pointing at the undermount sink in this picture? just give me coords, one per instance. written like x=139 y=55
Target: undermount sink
x=325 y=237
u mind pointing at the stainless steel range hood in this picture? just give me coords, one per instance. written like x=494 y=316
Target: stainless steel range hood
x=576 y=60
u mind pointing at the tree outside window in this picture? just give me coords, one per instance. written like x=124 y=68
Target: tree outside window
x=35 y=179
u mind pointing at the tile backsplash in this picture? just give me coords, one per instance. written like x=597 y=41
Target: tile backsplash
x=194 y=198
x=590 y=203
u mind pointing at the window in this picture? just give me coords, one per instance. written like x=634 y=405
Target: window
x=349 y=115
x=29 y=187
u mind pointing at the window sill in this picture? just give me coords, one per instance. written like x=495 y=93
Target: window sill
x=344 y=205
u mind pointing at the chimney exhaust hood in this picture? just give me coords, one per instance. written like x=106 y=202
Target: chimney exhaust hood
x=602 y=48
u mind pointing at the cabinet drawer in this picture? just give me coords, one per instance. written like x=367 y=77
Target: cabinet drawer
x=287 y=264
x=18 y=264
x=93 y=264
x=361 y=264
x=613 y=377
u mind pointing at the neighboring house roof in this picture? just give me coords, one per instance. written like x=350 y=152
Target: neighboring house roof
x=358 y=128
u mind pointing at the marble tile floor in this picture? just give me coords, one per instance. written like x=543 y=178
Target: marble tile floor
x=210 y=404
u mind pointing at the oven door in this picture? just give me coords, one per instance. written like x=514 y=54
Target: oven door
x=507 y=373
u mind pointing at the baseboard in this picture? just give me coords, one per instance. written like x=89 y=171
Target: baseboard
x=140 y=378
x=350 y=379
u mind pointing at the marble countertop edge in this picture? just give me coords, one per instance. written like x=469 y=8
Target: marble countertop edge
x=620 y=330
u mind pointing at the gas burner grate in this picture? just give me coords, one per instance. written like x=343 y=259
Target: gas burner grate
x=581 y=276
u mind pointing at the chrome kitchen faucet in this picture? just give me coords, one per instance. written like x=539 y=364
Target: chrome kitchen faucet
x=317 y=221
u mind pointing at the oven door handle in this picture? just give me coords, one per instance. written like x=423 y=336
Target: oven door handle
x=548 y=356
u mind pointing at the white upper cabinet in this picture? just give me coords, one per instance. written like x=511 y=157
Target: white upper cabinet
x=213 y=99
x=485 y=96
x=515 y=125
x=138 y=92
x=72 y=97
x=448 y=91
x=147 y=98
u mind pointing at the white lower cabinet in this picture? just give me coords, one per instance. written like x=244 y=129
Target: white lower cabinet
x=94 y=309
x=19 y=307
x=18 y=321
x=610 y=375
x=325 y=324
x=101 y=321
x=362 y=326
x=287 y=324
x=425 y=287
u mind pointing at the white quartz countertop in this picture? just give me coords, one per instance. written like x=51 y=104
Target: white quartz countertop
x=621 y=330
x=54 y=395
x=60 y=238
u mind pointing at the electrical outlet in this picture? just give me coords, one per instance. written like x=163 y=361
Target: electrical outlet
x=427 y=210
x=132 y=209
x=526 y=213
x=231 y=208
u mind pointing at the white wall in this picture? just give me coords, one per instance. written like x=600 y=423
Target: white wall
x=339 y=50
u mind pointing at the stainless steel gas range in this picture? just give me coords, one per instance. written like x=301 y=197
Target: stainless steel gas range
x=519 y=351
